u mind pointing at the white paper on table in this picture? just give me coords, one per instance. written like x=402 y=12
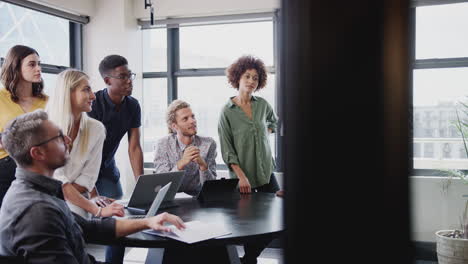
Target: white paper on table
x=194 y=231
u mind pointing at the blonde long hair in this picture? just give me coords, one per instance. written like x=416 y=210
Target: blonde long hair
x=59 y=105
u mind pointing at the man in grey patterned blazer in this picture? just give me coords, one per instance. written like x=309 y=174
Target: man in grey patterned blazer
x=184 y=150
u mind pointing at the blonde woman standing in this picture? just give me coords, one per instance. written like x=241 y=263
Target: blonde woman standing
x=20 y=92
x=67 y=107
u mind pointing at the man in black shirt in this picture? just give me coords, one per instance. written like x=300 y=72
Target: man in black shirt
x=35 y=221
x=120 y=113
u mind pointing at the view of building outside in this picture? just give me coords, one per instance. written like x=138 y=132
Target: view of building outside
x=441 y=33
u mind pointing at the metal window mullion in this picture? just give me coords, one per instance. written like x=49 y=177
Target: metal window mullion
x=441 y=63
x=53 y=69
x=200 y=72
x=173 y=63
x=412 y=57
x=207 y=20
x=155 y=75
x=76 y=47
x=418 y=3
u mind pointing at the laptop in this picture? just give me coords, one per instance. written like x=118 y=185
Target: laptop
x=144 y=192
x=219 y=190
x=154 y=206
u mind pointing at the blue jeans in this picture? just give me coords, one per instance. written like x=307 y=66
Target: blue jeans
x=108 y=184
x=115 y=254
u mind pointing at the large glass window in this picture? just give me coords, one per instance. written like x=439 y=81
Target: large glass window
x=155 y=50
x=154 y=103
x=49 y=82
x=199 y=55
x=441 y=31
x=47 y=34
x=197 y=91
x=216 y=46
x=440 y=84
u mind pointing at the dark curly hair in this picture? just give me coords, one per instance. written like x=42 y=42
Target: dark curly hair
x=10 y=74
x=240 y=66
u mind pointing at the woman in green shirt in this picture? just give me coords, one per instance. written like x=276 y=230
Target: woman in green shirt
x=244 y=126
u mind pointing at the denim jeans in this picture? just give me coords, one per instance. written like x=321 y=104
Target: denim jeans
x=108 y=183
x=115 y=254
x=7 y=175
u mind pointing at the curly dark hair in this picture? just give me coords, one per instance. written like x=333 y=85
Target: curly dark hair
x=240 y=66
x=10 y=74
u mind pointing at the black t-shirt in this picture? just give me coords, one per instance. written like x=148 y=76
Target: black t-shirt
x=117 y=123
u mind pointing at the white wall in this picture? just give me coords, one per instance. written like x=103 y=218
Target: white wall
x=433 y=208
x=189 y=8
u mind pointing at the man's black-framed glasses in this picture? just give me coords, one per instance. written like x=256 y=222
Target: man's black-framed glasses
x=60 y=135
x=130 y=76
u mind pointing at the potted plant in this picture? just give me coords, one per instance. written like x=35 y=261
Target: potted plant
x=452 y=245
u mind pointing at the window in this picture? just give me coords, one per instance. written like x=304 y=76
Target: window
x=216 y=46
x=154 y=103
x=155 y=49
x=440 y=81
x=53 y=37
x=188 y=62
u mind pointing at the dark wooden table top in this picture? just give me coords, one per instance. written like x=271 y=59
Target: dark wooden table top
x=252 y=216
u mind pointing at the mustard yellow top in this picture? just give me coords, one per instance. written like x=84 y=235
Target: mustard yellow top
x=9 y=110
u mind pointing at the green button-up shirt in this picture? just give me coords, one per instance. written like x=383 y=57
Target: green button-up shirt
x=245 y=142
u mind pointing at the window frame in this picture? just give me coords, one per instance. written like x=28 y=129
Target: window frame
x=173 y=61
x=440 y=63
x=75 y=34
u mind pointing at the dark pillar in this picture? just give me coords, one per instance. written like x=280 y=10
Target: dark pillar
x=345 y=87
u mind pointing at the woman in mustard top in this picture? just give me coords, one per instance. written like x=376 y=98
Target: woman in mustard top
x=21 y=88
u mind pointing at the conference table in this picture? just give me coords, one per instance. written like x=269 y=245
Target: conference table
x=253 y=217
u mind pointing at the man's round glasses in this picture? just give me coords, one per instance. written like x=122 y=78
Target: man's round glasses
x=60 y=135
x=130 y=76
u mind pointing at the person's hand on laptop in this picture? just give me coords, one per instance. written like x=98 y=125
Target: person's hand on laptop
x=157 y=222
x=102 y=201
x=113 y=209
